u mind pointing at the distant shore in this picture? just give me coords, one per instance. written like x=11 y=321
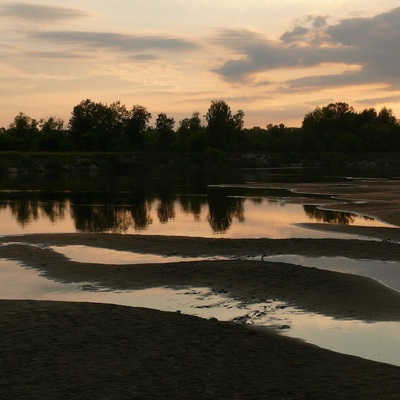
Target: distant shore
x=39 y=162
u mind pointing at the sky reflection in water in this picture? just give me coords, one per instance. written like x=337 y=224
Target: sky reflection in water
x=247 y=218
x=386 y=272
x=375 y=341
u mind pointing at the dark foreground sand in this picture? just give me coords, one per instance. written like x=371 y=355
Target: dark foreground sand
x=56 y=350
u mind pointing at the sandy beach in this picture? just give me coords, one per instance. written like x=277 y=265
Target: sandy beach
x=59 y=350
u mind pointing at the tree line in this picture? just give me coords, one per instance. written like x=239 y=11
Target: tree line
x=95 y=126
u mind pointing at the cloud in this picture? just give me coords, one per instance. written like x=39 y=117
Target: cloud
x=366 y=32
x=372 y=44
x=375 y=41
x=144 y=57
x=382 y=100
x=258 y=54
x=117 y=41
x=306 y=32
x=40 y=13
x=54 y=55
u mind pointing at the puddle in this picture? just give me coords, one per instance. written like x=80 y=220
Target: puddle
x=386 y=272
x=98 y=255
x=375 y=341
x=378 y=341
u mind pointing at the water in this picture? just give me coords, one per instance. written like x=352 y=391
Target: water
x=193 y=204
x=172 y=205
x=374 y=341
x=386 y=272
x=88 y=254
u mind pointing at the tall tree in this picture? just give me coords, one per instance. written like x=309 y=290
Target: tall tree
x=52 y=135
x=136 y=125
x=96 y=125
x=223 y=127
x=191 y=134
x=334 y=117
x=387 y=117
x=51 y=124
x=24 y=130
x=165 y=132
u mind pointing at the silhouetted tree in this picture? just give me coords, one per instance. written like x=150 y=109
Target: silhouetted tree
x=51 y=124
x=333 y=117
x=191 y=134
x=165 y=132
x=136 y=126
x=367 y=117
x=387 y=117
x=52 y=135
x=23 y=132
x=223 y=129
x=378 y=131
x=219 y=119
x=97 y=126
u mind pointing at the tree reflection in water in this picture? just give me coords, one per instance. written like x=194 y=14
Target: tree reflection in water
x=27 y=207
x=193 y=205
x=222 y=209
x=119 y=211
x=331 y=217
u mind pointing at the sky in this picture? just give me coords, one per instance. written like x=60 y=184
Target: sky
x=275 y=60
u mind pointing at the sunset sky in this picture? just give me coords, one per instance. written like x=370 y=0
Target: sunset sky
x=276 y=60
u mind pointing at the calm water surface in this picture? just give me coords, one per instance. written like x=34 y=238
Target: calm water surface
x=192 y=205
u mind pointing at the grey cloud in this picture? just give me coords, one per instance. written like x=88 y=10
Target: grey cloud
x=295 y=34
x=258 y=54
x=374 y=100
x=346 y=78
x=367 y=32
x=55 y=55
x=116 y=41
x=144 y=57
x=309 y=31
x=376 y=39
x=318 y=21
x=40 y=13
x=371 y=43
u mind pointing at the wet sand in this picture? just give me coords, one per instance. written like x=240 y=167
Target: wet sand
x=56 y=350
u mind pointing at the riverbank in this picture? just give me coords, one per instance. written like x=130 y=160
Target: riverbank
x=55 y=350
